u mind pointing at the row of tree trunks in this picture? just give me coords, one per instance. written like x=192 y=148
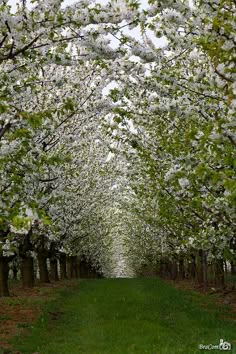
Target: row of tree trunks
x=28 y=271
x=70 y=268
x=44 y=275
x=86 y=270
x=195 y=267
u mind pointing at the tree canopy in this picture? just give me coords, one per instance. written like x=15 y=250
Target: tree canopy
x=121 y=154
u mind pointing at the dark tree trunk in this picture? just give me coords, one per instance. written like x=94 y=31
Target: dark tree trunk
x=173 y=270
x=181 y=269
x=199 y=268
x=164 y=273
x=205 y=275
x=202 y=269
x=78 y=269
x=72 y=267
x=43 y=268
x=4 y=269
x=82 y=269
x=42 y=255
x=14 y=271
x=4 y=266
x=92 y=271
x=53 y=269
x=192 y=267
x=74 y=272
x=233 y=267
x=27 y=272
x=53 y=256
x=63 y=273
x=219 y=274
x=69 y=267
x=27 y=262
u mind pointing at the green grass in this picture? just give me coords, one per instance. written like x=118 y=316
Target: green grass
x=121 y=316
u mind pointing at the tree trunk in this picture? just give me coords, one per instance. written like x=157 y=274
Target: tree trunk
x=43 y=269
x=219 y=274
x=27 y=262
x=27 y=272
x=78 y=269
x=63 y=274
x=163 y=269
x=69 y=267
x=233 y=268
x=202 y=269
x=14 y=271
x=193 y=267
x=81 y=269
x=199 y=268
x=53 y=269
x=4 y=269
x=205 y=277
x=173 y=270
x=72 y=267
x=84 y=269
x=181 y=269
x=74 y=273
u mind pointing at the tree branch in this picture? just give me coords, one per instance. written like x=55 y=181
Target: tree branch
x=4 y=129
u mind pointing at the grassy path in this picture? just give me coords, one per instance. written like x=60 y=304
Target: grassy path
x=121 y=316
